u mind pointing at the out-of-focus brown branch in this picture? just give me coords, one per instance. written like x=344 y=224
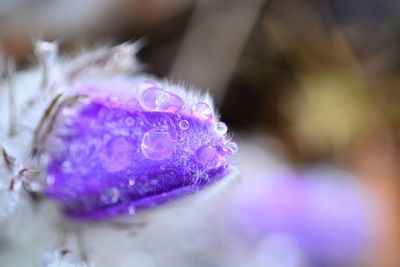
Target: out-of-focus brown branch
x=214 y=41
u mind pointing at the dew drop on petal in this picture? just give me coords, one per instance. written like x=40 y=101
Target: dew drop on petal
x=169 y=102
x=131 y=182
x=67 y=167
x=117 y=154
x=78 y=151
x=233 y=147
x=184 y=125
x=124 y=132
x=129 y=121
x=158 y=144
x=111 y=196
x=202 y=111
x=158 y=99
x=222 y=128
x=50 y=179
x=207 y=155
x=230 y=148
x=148 y=99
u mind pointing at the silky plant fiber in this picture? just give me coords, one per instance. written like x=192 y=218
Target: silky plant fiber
x=98 y=138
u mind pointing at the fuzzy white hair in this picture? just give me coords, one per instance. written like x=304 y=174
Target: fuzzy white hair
x=27 y=99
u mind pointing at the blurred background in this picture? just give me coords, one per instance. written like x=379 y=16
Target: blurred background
x=310 y=92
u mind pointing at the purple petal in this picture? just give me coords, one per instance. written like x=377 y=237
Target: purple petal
x=112 y=158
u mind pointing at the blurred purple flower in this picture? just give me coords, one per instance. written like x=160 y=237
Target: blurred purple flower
x=323 y=214
x=130 y=144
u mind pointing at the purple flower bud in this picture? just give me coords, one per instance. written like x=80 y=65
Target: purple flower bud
x=319 y=212
x=129 y=144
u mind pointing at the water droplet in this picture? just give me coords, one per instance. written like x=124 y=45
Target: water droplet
x=117 y=155
x=67 y=167
x=222 y=128
x=158 y=144
x=207 y=155
x=153 y=182
x=229 y=148
x=111 y=196
x=124 y=132
x=129 y=121
x=202 y=111
x=50 y=179
x=233 y=147
x=78 y=151
x=131 y=182
x=158 y=99
x=184 y=125
x=119 y=113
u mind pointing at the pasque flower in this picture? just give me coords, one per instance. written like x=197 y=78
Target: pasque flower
x=319 y=212
x=100 y=140
x=122 y=144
